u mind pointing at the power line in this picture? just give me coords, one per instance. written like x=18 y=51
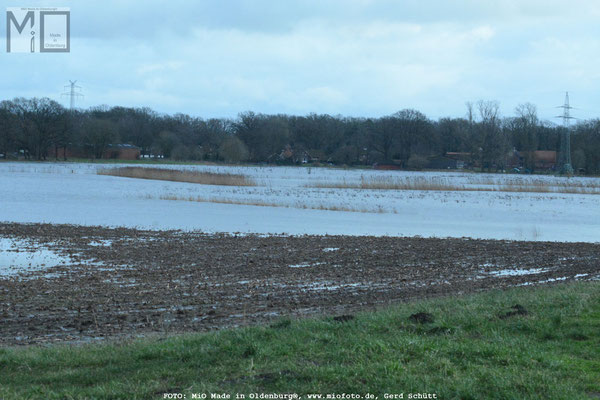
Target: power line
x=73 y=93
x=565 y=159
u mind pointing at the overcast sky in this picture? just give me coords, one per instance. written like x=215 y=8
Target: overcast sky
x=349 y=57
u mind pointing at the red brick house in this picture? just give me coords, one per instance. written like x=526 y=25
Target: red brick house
x=113 y=151
x=122 y=152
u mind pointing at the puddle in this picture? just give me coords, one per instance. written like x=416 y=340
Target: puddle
x=328 y=249
x=518 y=272
x=131 y=282
x=564 y=278
x=19 y=256
x=302 y=265
x=305 y=265
x=328 y=286
x=100 y=243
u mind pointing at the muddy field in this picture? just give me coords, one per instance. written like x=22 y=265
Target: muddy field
x=104 y=283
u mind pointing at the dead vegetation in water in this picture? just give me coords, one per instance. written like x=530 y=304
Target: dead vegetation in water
x=261 y=203
x=476 y=185
x=175 y=175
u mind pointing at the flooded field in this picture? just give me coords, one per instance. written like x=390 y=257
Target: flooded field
x=312 y=201
x=19 y=257
x=72 y=283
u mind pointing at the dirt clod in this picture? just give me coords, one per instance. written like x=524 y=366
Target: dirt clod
x=422 y=318
x=517 y=309
x=284 y=323
x=343 y=318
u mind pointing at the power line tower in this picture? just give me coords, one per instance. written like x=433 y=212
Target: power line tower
x=74 y=91
x=565 y=148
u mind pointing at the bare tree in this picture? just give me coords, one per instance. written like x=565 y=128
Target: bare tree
x=40 y=122
x=233 y=150
x=7 y=129
x=489 y=111
x=494 y=143
x=525 y=131
x=99 y=133
x=528 y=113
x=383 y=135
x=470 y=113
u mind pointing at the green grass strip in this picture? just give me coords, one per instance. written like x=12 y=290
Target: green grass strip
x=477 y=347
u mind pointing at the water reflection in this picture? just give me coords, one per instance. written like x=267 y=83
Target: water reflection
x=19 y=256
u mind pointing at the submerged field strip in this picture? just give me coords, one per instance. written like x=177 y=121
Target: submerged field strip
x=261 y=203
x=473 y=183
x=511 y=185
x=303 y=200
x=104 y=283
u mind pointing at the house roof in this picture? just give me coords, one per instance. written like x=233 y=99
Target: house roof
x=123 y=146
x=457 y=155
x=545 y=156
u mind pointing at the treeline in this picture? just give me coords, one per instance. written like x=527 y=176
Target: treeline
x=32 y=128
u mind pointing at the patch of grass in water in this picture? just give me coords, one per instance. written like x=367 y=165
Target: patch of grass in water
x=175 y=175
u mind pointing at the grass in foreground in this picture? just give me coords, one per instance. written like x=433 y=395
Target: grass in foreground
x=163 y=174
x=472 y=350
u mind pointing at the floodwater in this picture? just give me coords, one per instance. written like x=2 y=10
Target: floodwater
x=19 y=256
x=517 y=272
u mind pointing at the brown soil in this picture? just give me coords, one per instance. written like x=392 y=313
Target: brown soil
x=147 y=282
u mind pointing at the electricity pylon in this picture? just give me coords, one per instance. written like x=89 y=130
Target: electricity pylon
x=565 y=157
x=73 y=93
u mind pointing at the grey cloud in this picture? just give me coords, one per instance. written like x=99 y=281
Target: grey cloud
x=370 y=58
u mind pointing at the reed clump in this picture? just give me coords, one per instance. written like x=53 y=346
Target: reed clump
x=174 y=175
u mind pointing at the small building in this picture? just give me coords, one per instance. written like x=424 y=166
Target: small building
x=514 y=160
x=69 y=151
x=545 y=159
x=387 y=167
x=541 y=159
x=463 y=159
x=122 y=152
x=442 y=162
x=112 y=151
x=290 y=155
